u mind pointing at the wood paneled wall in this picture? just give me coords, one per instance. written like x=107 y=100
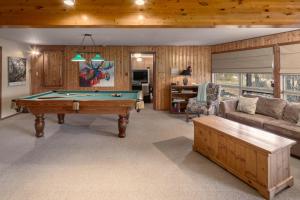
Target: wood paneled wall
x=166 y=57
x=52 y=68
x=274 y=40
x=269 y=40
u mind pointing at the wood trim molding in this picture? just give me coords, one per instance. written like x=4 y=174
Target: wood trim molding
x=0 y=82
x=214 y=47
x=10 y=116
x=243 y=49
x=284 y=38
x=276 y=73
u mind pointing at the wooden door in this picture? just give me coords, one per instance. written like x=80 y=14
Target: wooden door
x=52 y=68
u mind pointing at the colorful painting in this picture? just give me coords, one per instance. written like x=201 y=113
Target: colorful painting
x=16 y=71
x=97 y=74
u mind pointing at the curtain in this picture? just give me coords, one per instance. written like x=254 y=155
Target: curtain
x=290 y=59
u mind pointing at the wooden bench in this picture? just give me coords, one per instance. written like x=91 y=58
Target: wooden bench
x=259 y=158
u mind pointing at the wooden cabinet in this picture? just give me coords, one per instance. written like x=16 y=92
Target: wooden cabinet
x=52 y=69
x=180 y=96
x=259 y=158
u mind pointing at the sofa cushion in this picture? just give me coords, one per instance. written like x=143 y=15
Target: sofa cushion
x=247 y=105
x=291 y=112
x=284 y=128
x=271 y=107
x=256 y=120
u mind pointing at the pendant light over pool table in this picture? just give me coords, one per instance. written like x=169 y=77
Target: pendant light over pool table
x=98 y=58
x=78 y=57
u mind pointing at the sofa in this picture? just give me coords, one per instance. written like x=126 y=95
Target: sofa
x=272 y=114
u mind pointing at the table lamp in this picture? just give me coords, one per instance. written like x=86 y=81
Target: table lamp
x=187 y=72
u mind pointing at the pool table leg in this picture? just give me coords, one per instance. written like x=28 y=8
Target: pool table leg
x=61 y=118
x=123 y=121
x=39 y=125
x=127 y=117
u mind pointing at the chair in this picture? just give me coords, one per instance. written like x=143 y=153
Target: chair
x=211 y=107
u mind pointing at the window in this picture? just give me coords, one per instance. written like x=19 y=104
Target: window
x=234 y=84
x=258 y=84
x=230 y=83
x=230 y=79
x=291 y=87
x=244 y=72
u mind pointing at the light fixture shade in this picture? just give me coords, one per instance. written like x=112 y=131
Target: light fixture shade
x=97 y=58
x=78 y=58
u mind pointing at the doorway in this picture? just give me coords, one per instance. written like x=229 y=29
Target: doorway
x=143 y=75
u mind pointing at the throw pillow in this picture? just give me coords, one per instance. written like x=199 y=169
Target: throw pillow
x=247 y=105
x=291 y=112
x=272 y=107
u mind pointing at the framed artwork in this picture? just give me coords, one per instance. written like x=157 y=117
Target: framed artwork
x=97 y=74
x=16 y=71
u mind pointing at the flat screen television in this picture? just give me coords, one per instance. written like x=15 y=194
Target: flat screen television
x=140 y=76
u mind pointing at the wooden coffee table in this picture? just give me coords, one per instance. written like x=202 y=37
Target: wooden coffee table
x=259 y=158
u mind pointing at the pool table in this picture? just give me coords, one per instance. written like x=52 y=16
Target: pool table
x=63 y=102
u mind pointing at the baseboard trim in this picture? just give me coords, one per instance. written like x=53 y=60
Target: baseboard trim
x=13 y=115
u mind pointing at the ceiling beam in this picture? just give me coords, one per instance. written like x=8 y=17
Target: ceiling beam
x=155 y=13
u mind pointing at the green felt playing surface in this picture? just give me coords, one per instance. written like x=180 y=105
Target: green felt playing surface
x=85 y=95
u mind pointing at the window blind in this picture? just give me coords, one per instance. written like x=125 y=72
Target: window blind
x=246 y=61
x=290 y=59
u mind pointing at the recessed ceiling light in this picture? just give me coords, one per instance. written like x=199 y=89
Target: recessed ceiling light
x=139 y=59
x=141 y=17
x=137 y=55
x=69 y=2
x=85 y=17
x=140 y=2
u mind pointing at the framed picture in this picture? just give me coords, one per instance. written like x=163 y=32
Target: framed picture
x=16 y=71
x=97 y=74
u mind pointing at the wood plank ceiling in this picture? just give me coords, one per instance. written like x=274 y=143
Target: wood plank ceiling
x=156 y=13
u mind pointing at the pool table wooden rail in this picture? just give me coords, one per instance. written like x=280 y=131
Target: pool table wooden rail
x=40 y=107
x=71 y=106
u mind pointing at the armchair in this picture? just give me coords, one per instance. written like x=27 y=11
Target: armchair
x=210 y=107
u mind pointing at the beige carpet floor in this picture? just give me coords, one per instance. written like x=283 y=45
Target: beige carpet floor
x=84 y=159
